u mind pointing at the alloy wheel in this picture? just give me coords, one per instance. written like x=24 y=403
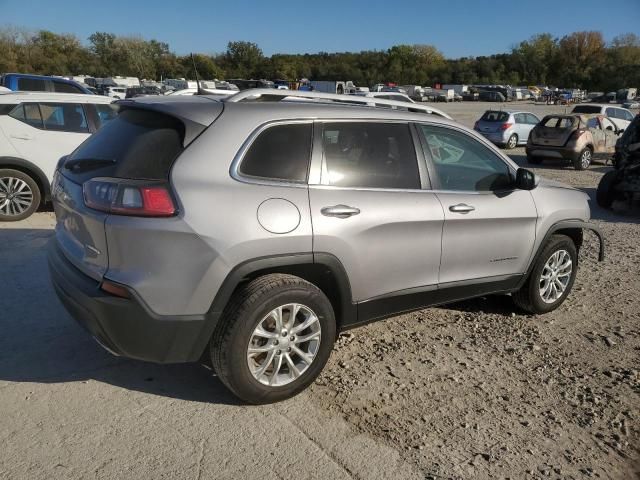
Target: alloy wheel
x=15 y=196
x=513 y=141
x=585 y=159
x=284 y=344
x=555 y=276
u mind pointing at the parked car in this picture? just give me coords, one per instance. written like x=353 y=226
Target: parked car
x=577 y=138
x=263 y=283
x=36 y=129
x=39 y=83
x=132 y=92
x=118 y=92
x=635 y=103
x=506 y=128
x=621 y=116
x=623 y=183
x=489 y=96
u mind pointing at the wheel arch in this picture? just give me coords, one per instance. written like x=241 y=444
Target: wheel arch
x=29 y=168
x=321 y=269
x=574 y=229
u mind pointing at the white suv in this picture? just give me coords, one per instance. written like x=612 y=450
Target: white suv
x=620 y=116
x=36 y=129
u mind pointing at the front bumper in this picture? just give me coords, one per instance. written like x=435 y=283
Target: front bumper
x=124 y=326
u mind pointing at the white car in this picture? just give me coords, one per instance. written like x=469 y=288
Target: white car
x=36 y=129
x=117 y=92
x=620 y=116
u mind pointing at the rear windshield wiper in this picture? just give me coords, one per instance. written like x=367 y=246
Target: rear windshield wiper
x=83 y=164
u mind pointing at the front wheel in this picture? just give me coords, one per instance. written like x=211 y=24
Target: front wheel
x=551 y=278
x=19 y=195
x=273 y=339
x=584 y=159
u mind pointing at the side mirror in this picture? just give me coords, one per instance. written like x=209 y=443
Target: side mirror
x=525 y=179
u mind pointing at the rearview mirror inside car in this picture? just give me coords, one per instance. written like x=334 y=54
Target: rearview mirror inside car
x=525 y=179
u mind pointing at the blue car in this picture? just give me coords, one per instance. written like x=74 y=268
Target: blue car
x=40 y=83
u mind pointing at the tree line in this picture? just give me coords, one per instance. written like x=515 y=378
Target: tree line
x=581 y=59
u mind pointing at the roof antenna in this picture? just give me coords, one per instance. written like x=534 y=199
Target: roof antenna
x=199 y=88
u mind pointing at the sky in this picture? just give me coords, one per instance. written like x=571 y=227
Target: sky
x=457 y=28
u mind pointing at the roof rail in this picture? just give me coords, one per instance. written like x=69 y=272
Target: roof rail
x=270 y=94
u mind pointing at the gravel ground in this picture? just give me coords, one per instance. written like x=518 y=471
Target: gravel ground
x=472 y=390
x=479 y=390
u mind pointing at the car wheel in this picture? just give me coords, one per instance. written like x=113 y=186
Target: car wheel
x=605 y=194
x=274 y=338
x=512 y=142
x=19 y=195
x=584 y=159
x=551 y=278
x=534 y=160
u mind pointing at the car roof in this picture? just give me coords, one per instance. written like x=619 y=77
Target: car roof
x=19 y=97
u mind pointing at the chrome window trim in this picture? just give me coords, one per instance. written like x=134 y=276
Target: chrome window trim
x=234 y=170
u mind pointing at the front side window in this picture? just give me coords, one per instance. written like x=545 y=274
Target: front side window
x=462 y=163
x=106 y=113
x=281 y=152
x=369 y=155
x=64 y=117
x=520 y=118
x=532 y=119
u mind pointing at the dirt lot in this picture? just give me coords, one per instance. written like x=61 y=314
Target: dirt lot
x=472 y=390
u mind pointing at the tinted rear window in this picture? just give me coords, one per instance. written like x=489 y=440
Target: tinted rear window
x=281 y=152
x=136 y=144
x=32 y=84
x=491 y=116
x=586 y=109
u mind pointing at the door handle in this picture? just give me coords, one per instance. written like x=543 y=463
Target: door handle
x=340 y=211
x=461 y=208
x=22 y=136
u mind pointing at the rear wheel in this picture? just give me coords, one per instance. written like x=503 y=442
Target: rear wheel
x=273 y=339
x=605 y=195
x=19 y=195
x=551 y=278
x=584 y=159
x=512 y=142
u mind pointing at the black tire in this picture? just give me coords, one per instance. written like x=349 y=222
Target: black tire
x=528 y=298
x=583 y=161
x=534 y=160
x=512 y=142
x=605 y=194
x=9 y=213
x=247 y=308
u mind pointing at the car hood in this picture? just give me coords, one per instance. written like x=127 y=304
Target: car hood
x=548 y=183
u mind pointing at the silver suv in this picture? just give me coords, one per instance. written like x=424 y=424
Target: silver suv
x=251 y=232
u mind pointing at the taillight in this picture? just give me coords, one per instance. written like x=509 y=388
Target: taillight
x=506 y=126
x=577 y=134
x=129 y=197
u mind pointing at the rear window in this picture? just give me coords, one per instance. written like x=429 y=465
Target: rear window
x=558 y=122
x=32 y=84
x=586 y=109
x=492 y=116
x=135 y=144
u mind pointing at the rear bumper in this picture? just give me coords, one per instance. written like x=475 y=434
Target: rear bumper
x=499 y=138
x=551 y=152
x=124 y=326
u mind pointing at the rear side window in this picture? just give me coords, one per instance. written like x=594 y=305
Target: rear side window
x=492 y=116
x=63 y=87
x=369 y=155
x=32 y=84
x=64 y=117
x=137 y=144
x=281 y=152
x=28 y=113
